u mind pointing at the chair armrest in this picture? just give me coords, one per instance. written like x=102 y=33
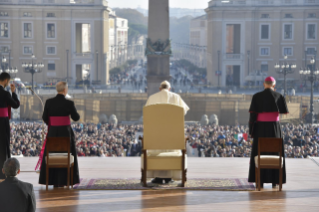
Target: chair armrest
x=186 y=139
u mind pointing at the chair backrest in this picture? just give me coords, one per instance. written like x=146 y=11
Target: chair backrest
x=58 y=144
x=270 y=145
x=163 y=127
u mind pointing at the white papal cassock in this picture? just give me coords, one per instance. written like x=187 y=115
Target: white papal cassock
x=165 y=96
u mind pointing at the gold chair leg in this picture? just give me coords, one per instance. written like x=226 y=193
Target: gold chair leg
x=259 y=182
x=280 y=179
x=256 y=178
x=185 y=175
x=183 y=179
x=47 y=177
x=68 y=181
x=144 y=178
x=72 y=169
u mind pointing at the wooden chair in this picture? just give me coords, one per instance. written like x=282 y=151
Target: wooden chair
x=269 y=161
x=59 y=160
x=164 y=143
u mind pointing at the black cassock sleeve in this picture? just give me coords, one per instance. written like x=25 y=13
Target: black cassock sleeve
x=252 y=116
x=12 y=101
x=45 y=115
x=253 y=105
x=74 y=113
x=282 y=106
x=252 y=121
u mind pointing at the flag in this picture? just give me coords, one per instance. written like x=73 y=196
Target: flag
x=245 y=136
x=238 y=136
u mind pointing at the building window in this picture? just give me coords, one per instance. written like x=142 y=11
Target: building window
x=3 y=14
x=50 y=30
x=311 y=15
x=264 y=15
x=264 y=51
x=264 y=68
x=27 y=30
x=287 y=31
x=83 y=38
x=311 y=31
x=27 y=14
x=50 y=14
x=4 y=49
x=264 y=32
x=27 y=50
x=287 y=51
x=311 y=50
x=51 y=66
x=288 y=15
x=233 y=44
x=51 y=50
x=4 y=30
x=111 y=24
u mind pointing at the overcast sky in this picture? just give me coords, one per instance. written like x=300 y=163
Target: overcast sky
x=192 y=4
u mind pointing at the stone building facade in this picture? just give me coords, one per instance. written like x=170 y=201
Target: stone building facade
x=245 y=39
x=70 y=37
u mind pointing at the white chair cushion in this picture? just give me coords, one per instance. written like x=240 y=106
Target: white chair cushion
x=159 y=153
x=164 y=161
x=268 y=160
x=59 y=159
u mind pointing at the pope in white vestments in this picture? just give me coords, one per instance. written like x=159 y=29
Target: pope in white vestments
x=165 y=96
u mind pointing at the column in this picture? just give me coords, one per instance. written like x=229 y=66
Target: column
x=158 y=49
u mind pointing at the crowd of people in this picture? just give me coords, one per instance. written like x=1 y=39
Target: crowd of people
x=107 y=140
x=226 y=141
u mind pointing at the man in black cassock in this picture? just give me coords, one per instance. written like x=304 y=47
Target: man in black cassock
x=267 y=101
x=58 y=107
x=6 y=102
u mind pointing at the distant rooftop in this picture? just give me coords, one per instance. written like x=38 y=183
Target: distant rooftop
x=203 y=17
x=55 y=2
x=261 y=3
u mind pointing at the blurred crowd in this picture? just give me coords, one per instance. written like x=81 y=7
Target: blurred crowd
x=107 y=140
x=300 y=141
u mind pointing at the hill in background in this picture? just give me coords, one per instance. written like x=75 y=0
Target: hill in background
x=133 y=16
x=179 y=27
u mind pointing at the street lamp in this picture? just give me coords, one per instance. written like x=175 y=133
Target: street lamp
x=32 y=68
x=3 y=61
x=310 y=74
x=285 y=69
x=12 y=71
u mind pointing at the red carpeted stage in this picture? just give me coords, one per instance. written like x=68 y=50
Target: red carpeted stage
x=301 y=193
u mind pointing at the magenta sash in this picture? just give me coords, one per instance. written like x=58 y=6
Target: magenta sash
x=4 y=112
x=268 y=117
x=59 y=121
x=54 y=121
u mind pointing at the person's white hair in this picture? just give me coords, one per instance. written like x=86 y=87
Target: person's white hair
x=61 y=86
x=165 y=85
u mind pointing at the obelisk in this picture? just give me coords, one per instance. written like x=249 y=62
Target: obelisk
x=158 y=48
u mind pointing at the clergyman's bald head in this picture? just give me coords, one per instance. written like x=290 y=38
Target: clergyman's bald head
x=61 y=87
